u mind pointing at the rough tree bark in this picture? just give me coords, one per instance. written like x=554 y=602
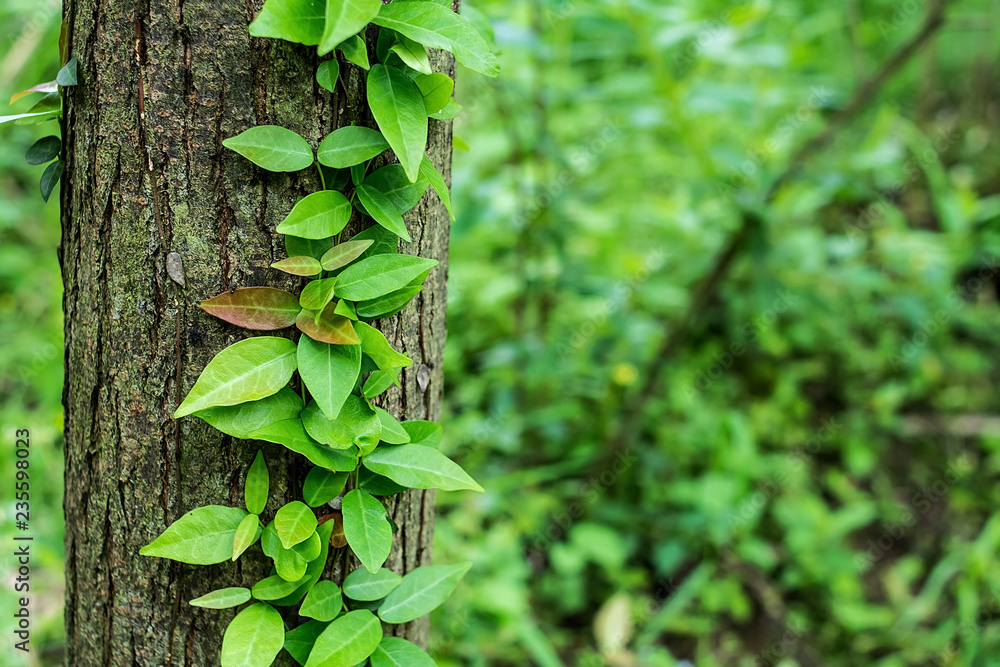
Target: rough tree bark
x=162 y=83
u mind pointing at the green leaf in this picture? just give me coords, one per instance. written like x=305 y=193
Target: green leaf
x=381 y=208
x=349 y=146
x=388 y=304
x=294 y=523
x=367 y=528
x=329 y=372
x=397 y=652
x=391 y=180
x=316 y=294
x=385 y=242
x=20 y=116
x=347 y=640
x=392 y=430
x=299 y=642
x=344 y=18
x=328 y=328
x=345 y=309
x=257 y=308
x=246 y=534
x=288 y=563
x=377 y=485
x=374 y=344
x=438 y=27
x=292 y=435
x=357 y=424
x=203 y=536
x=241 y=420
x=272 y=147
x=450 y=110
x=49 y=104
x=322 y=486
x=421 y=591
x=378 y=382
x=364 y=585
x=323 y=602
x=432 y=174
x=300 y=265
x=256 y=487
x=44 y=150
x=50 y=178
x=67 y=75
x=355 y=50
x=419 y=467
x=314 y=248
x=344 y=253
x=378 y=275
x=314 y=570
x=223 y=598
x=274 y=588
x=245 y=371
x=317 y=216
x=299 y=21
x=398 y=108
x=423 y=432
x=412 y=54
x=436 y=89
x=308 y=548
x=327 y=73
x=254 y=638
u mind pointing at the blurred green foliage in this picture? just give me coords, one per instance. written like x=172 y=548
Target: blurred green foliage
x=809 y=479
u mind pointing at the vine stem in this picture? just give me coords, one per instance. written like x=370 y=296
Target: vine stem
x=322 y=178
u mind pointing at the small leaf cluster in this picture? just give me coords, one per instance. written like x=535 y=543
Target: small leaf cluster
x=360 y=452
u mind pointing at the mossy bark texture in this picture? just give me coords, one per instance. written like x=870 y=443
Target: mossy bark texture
x=157 y=216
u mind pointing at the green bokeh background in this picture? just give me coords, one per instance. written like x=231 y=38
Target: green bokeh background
x=812 y=479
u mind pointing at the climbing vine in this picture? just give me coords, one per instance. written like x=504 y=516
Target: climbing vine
x=342 y=361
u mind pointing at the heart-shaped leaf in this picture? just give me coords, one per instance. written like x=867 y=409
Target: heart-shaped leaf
x=326 y=75
x=421 y=591
x=398 y=108
x=349 y=146
x=317 y=216
x=367 y=528
x=329 y=372
x=324 y=602
x=381 y=208
x=254 y=638
x=203 y=536
x=419 y=467
x=378 y=275
x=294 y=523
x=258 y=308
x=322 y=486
x=331 y=328
x=272 y=147
x=223 y=598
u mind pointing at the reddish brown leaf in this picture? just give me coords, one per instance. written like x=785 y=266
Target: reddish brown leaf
x=258 y=308
x=330 y=328
x=299 y=266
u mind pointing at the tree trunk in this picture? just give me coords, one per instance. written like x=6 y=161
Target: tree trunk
x=149 y=190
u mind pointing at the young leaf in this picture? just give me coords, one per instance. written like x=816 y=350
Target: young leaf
x=300 y=265
x=363 y=585
x=344 y=18
x=367 y=528
x=397 y=652
x=412 y=54
x=241 y=420
x=322 y=486
x=436 y=89
x=294 y=523
x=392 y=431
x=431 y=173
x=314 y=570
x=355 y=50
x=246 y=534
x=348 y=640
x=438 y=27
x=317 y=294
x=357 y=424
x=47 y=87
x=273 y=588
x=378 y=275
x=299 y=642
x=317 y=216
x=398 y=108
x=346 y=309
x=256 y=487
x=391 y=181
x=272 y=147
x=245 y=371
x=292 y=435
x=329 y=372
x=381 y=208
x=44 y=150
x=203 y=536
x=419 y=467
x=331 y=328
x=327 y=73
x=374 y=344
x=254 y=637
x=223 y=598
x=299 y=21
x=349 y=146
x=67 y=75
x=50 y=177
x=378 y=382
x=387 y=304
x=423 y=432
x=421 y=591
x=257 y=308
x=343 y=254
x=323 y=602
